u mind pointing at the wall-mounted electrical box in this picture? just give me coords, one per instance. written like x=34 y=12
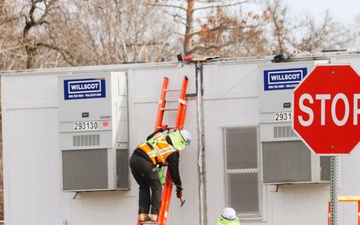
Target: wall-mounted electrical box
x=93 y=117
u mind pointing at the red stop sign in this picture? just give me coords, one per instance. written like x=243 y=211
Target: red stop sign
x=326 y=109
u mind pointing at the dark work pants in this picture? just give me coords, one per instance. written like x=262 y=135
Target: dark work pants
x=147 y=177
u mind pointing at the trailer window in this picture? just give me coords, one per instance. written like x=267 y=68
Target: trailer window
x=241 y=170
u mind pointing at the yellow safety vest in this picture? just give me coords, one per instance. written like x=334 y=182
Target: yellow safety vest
x=157 y=148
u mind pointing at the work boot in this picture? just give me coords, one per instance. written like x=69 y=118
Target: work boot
x=143 y=217
x=154 y=217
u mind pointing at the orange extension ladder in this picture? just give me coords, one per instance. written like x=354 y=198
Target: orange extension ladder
x=179 y=124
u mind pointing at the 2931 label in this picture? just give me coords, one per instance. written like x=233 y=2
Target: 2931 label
x=283 y=116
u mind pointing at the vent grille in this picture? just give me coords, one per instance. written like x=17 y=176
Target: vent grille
x=85 y=169
x=284 y=132
x=86 y=140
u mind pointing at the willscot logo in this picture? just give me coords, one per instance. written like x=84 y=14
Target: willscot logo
x=283 y=78
x=86 y=88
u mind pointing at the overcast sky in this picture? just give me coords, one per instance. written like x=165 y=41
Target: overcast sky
x=346 y=10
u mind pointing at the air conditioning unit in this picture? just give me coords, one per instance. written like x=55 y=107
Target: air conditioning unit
x=93 y=121
x=285 y=158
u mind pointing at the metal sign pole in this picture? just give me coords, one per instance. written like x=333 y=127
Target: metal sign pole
x=334 y=185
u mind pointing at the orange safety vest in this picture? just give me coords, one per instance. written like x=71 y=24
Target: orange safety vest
x=157 y=148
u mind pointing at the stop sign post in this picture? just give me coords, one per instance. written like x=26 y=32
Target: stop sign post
x=326 y=109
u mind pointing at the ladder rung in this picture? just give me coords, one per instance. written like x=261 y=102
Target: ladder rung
x=169 y=109
x=169 y=127
x=149 y=222
x=174 y=90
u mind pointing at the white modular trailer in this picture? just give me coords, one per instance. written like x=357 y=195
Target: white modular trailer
x=68 y=134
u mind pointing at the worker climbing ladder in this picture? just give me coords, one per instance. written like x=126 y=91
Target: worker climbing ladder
x=179 y=124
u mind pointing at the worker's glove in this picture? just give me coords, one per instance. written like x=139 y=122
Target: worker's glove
x=179 y=192
x=164 y=127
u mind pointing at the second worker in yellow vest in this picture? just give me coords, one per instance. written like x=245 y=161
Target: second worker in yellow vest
x=157 y=150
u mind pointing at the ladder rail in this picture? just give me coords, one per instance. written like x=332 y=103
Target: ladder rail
x=162 y=103
x=165 y=200
x=180 y=118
